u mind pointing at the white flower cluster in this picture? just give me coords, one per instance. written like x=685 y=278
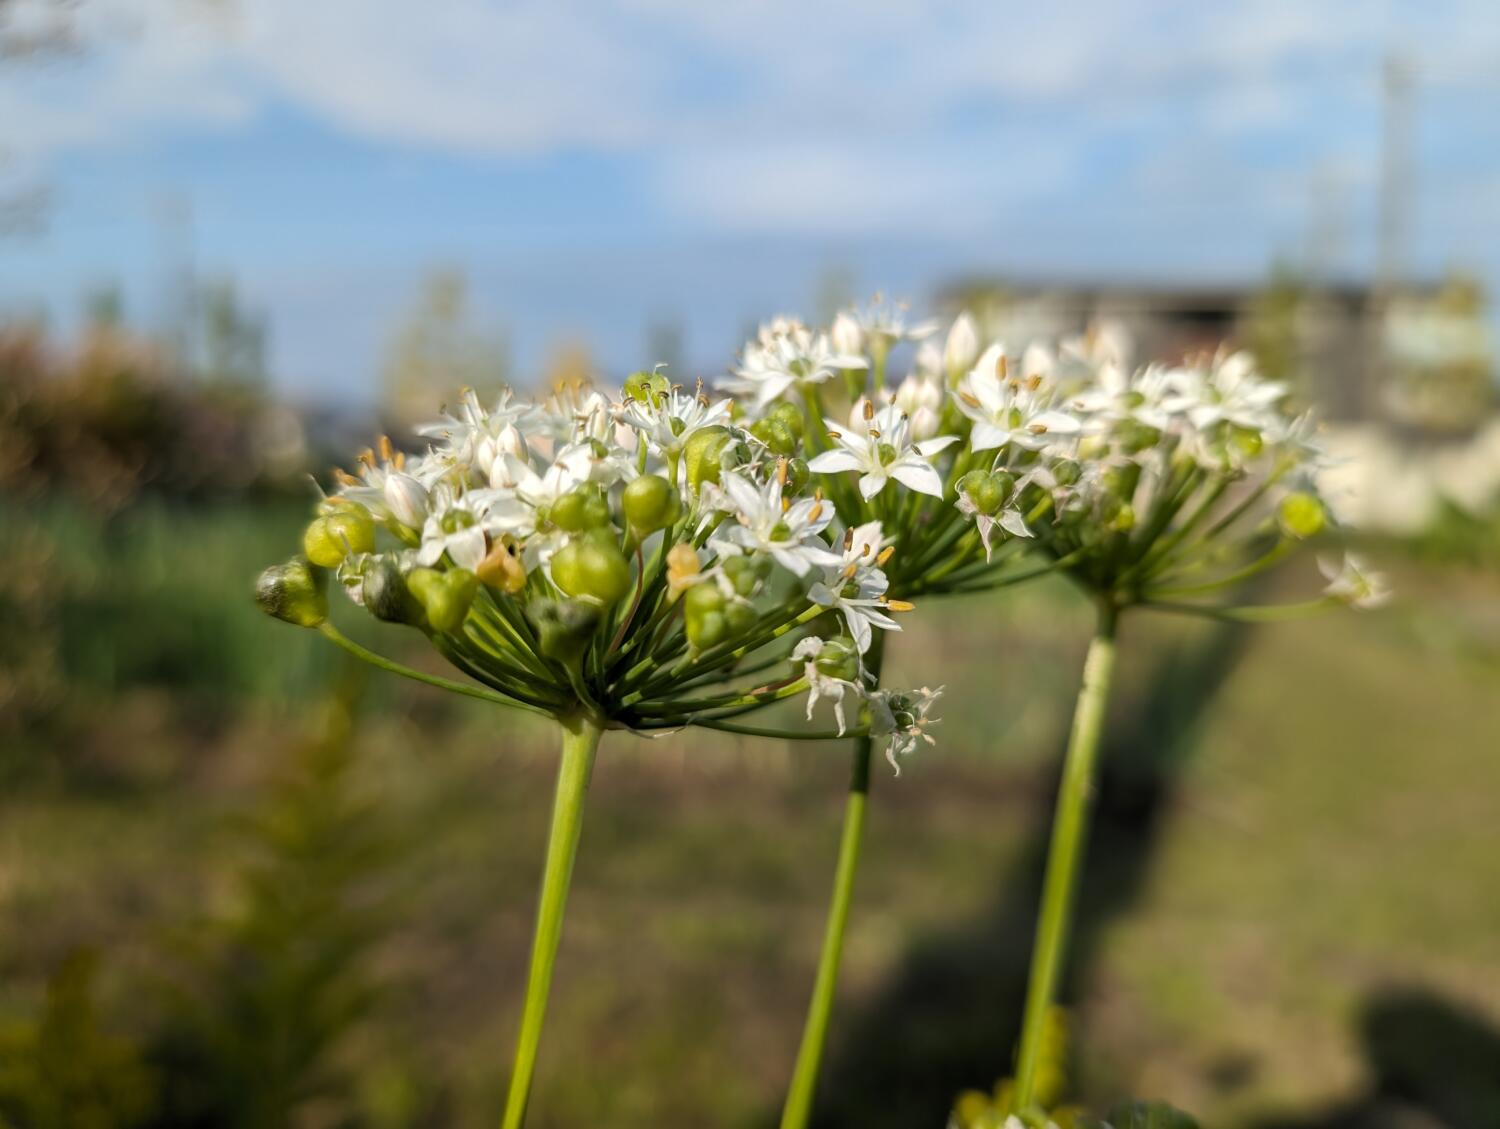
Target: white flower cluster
x=626 y=507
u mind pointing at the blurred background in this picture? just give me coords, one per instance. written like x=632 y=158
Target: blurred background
x=242 y=884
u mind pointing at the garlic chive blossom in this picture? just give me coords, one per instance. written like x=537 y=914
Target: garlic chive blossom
x=642 y=564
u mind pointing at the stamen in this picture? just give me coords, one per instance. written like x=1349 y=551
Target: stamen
x=970 y=399
x=885 y=554
x=899 y=605
x=781 y=472
x=386 y=450
x=869 y=410
x=1002 y=367
x=816 y=512
x=848 y=539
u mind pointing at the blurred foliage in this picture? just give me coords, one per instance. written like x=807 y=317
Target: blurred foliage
x=63 y=1070
x=269 y=997
x=110 y=418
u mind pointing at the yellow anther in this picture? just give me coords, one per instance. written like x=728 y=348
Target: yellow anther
x=899 y=605
x=869 y=410
x=344 y=478
x=885 y=554
x=816 y=512
x=386 y=450
x=848 y=539
x=1002 y=367
x=970 y=399
x=781 y=472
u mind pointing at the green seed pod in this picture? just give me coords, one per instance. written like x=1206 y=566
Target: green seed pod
x=640 y=386
x=564 y=627
x=293 y=592
x=775 y=435
x=742 y=574
x=706 y=629
x=838 y=659
x=797 y=476
x=1301 y=515
x=344 y=530
x=592 y=567
x=987 y=491
x=704 y=453
x=704 y=597
x=1248 y=440
x=739 y=617
x=1066 y=472
x=789 y=416
x=444 y=596
x=386 y=596
x=651 y=503
x=582 y=507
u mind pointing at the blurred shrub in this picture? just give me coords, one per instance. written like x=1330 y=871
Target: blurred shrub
x=62 y=1070
x=110 y=418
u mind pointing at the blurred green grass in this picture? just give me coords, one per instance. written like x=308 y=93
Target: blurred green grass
x=1333 y=831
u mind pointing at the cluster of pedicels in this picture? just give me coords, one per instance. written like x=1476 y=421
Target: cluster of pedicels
x=657 y=560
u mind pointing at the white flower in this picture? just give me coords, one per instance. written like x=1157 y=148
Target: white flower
x=668 y=421
x=882 y=450
x=822 y=685
x=1008 y=410
x=1229 y=391
x=791 y=534
x=884 y=325
x=1117 y=396
x=961 y=349
x=855 y=587
x=787 y=354
x=454 y=526
x=1351 y=581
x=847 y=334
x=903 y=716
x=406 y=498
x=462 y=430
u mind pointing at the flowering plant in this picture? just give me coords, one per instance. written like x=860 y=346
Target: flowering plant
x=642 y=564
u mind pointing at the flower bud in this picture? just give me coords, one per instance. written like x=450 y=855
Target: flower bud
x=406 y=498
x=798 y=475
x=961 y=349
x=564 y=627
x=704 y=455
x=682 y=568
x=739 y=617
x=501 y=570
x=444 y=596
x=1301 y=516
x=847 y=335
x=987 y=491
x=650 y=503
x=384 y=593
x=329 y=539
x=592 y=568
x=293 y=592
x=838 y=659
x=582 y=507
x=703 y=616
x=511 y=442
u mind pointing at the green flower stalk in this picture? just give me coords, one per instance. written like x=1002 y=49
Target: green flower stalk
x=1165 y=489
x=641 y=565
x=897 y=472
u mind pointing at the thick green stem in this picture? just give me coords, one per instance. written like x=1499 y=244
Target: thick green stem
x=1065 y=855
x=804 y=1084
x=579 y=745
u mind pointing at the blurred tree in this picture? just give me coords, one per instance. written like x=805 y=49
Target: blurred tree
x=569 y=366
x=437 y=351
x=234 y=339
x=1273 y=325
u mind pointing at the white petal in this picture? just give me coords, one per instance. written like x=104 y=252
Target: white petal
x=873 y=483
x=919 y=477
x=929 y=447
x=831 y=462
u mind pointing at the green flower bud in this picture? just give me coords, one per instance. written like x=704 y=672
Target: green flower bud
x=641 y=386
x=1302 y=516
x=346 y=529
x=582 y=507
x=385 y=595
x=293 y=592
x=987 y=491
x=592 y=567
x=742 y=574
x=1248 y=440
x=444 y=596
x=775 y=435
x=704 y=453
x=651 y=503
x=1067 y=472
x=564 y=627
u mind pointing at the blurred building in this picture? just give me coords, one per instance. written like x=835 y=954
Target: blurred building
x=1347 y=347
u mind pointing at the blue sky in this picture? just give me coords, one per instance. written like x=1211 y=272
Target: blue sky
x=595 y=168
